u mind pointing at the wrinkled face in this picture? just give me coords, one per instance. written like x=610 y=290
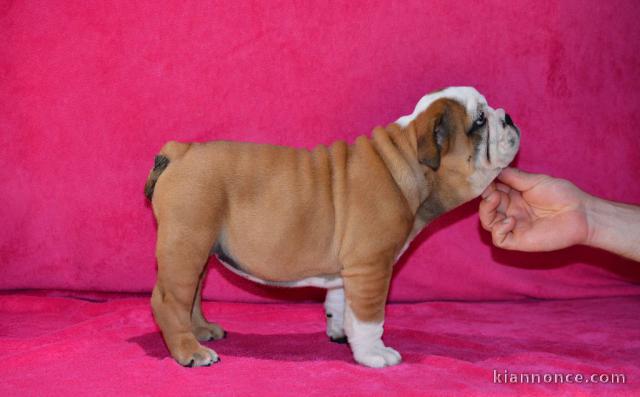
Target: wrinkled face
x=462 y=141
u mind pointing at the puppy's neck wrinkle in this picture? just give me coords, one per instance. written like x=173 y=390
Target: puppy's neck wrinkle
x=431 y=208
x=395 y=148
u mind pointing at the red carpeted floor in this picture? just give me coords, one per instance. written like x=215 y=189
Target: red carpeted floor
x=54 y=346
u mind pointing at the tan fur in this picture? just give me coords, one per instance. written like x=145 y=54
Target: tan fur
x=285 y=214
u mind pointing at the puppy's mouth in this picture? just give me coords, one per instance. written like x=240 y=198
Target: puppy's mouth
x=488 y=144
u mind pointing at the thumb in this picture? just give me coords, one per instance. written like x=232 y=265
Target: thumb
x=520 y=180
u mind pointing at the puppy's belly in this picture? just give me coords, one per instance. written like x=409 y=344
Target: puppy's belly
x=329 y=281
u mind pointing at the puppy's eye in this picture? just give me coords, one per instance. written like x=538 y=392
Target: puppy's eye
x=478 y=123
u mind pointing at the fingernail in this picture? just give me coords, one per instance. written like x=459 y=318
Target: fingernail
x=506 y=220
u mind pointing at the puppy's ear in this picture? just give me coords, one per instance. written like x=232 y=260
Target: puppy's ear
x=433 y=129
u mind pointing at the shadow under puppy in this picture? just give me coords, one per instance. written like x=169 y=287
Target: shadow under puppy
x=336 y=217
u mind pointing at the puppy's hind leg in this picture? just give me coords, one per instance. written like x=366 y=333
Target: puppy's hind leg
x=334 y=310
x=182 y=255
x=201 y=328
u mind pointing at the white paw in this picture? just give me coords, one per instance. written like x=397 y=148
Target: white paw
x=378 y=357
x=334 y=310
x=335 y=329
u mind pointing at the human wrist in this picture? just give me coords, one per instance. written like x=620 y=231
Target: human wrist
x=594 y=209
x=613 y=227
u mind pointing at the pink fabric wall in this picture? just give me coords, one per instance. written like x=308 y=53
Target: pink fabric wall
x=89 y=93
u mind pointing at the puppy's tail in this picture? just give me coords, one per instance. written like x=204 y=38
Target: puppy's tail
x=170 y=151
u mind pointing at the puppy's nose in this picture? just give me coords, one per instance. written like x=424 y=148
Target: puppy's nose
x=507 y=119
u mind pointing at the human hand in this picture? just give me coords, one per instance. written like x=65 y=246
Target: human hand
x=534 y=212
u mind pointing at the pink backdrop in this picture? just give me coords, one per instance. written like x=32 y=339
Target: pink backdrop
x=90 y=92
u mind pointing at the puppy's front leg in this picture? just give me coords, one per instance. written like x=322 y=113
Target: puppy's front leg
x=365 y=339
x=334 y=310
x=366 y=294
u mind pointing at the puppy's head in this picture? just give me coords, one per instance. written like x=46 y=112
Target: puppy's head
x=462 y=142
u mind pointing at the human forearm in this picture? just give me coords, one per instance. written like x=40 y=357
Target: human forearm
x=614 y=227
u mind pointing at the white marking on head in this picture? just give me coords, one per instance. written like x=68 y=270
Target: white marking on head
x=468 y=97
x=498 y=147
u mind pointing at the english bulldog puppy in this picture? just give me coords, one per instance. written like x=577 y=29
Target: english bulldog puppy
x=334 y=217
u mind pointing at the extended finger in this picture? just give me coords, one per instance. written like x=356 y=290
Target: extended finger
x=519 y=180
x=502 y=187
x=505 y=200
x=489 y=189
x=487 y=210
